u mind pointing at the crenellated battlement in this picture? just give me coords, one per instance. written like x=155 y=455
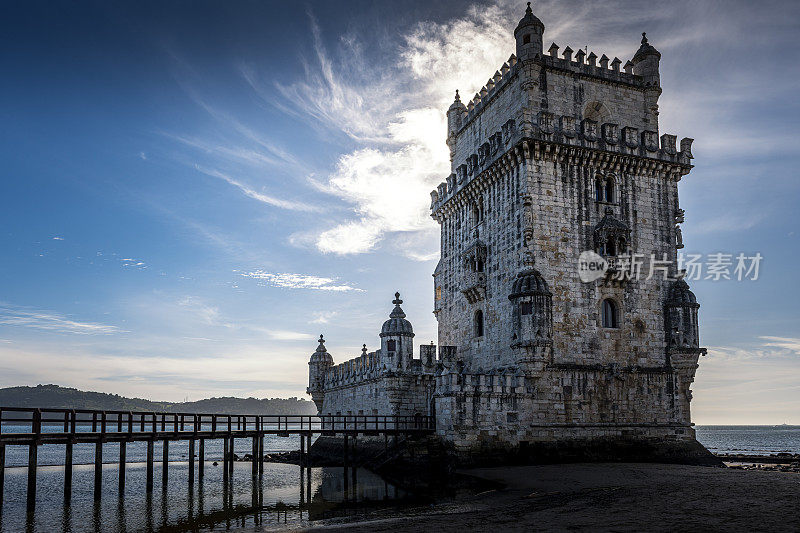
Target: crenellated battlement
x=592 y=66
x=568 y=131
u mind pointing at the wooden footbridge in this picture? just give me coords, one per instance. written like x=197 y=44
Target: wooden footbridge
x=33 y=427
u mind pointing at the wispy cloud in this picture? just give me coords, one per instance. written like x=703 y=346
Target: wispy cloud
x=50 y=321
x=286 y=280
x=323 y=317
x=133 y=263
x=396 y=114
x=790 y=344
x=261 y=197
x=57 y=238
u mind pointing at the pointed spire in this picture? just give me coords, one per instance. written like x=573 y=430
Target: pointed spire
x=321 y=347
x=397 y=312
x=644 y=37
x=364 y=350
x=553 y=50
x=458 y=98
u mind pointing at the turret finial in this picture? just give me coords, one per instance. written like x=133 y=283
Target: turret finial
x=397 y=300
x=528 y=9
x=458 y=98
x=644 y=37
x=363 y=349
x=321 y=347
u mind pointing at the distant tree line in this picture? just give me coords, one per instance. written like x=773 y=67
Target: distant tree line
x=56 y=397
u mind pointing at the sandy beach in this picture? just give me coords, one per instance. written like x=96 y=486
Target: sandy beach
x=608 y=497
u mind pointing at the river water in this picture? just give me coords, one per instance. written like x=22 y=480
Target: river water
x=279 y=498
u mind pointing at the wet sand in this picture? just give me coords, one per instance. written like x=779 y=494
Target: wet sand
x=609 y=497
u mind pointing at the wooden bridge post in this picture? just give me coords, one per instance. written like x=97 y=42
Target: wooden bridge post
x=230 y=463
x=2 y=473
x=68 y=472
x=261 y=455
x=308 y=450
x=254 y=456
x=123 y=452
x=149 y=484
x=98 y=469
x=33 y=459
x=225 y=445
x=302 y=451
x=201 y=460
x=191 y=461
x=165 y=466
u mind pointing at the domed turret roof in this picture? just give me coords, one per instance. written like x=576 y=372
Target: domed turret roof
x=529 y=282
x=529 y=20
x=645 y=50
x=397 y=323
x=457 y=104
x=321 y=355
x=680 y=294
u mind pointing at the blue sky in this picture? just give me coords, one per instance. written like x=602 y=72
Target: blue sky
x=192 y=192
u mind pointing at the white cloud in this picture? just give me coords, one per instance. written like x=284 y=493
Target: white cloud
x=397 y=115
x=298 y=281
x=133 y=263
x=255 y=195
x=323 y=317
x=50 y=321
x=789 y=344
x=57 y=238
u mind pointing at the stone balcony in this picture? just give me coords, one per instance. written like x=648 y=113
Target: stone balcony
x=474 y=287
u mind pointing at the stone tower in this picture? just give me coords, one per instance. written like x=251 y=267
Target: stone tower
x=556 y=155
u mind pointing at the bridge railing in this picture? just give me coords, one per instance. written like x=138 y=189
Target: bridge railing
x=37 y=422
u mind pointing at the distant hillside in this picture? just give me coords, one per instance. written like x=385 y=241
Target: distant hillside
x=53 y=396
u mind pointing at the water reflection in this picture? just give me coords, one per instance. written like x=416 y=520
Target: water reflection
x=281 y=494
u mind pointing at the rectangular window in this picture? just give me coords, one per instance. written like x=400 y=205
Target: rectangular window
x=526 y=308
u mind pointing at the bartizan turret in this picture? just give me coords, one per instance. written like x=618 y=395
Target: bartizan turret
x=528 y=35
x=454 y=118
x=321 y=361
x=646 y=64
x=397 y=334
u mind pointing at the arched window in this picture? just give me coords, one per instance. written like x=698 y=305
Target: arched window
x=391 y=345
x=610 y=248
x=609 y=190
x=598 y=190
x=610 y=314
x=526 y=308
x=526 y=39
x=479 y=323
x=477 y=213
x=623 y=246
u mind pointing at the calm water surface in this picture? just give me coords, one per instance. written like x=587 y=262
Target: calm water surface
x=280 y=498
